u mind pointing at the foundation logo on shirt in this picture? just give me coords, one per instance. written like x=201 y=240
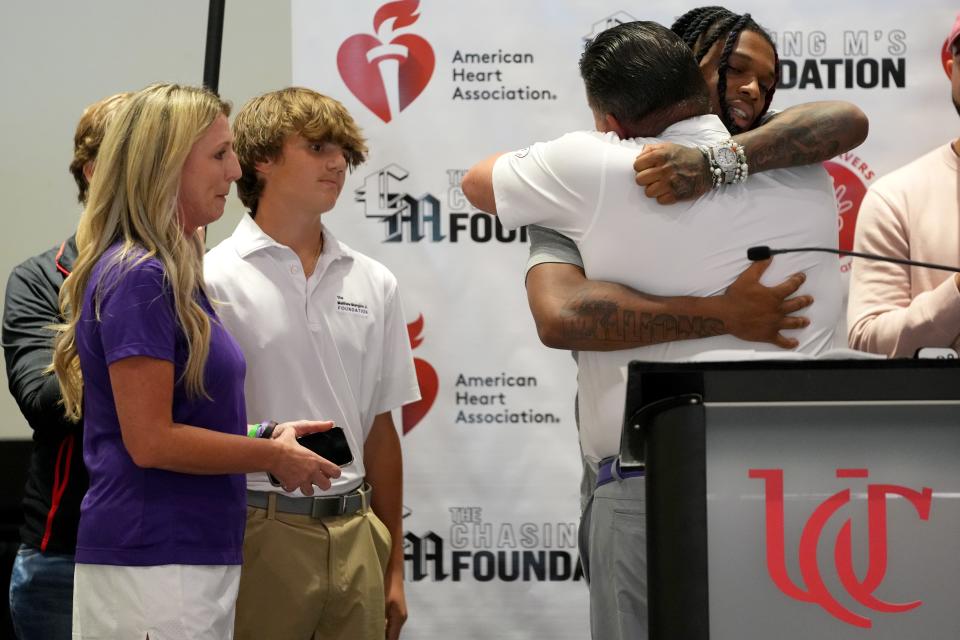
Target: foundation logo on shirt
x=813 y=588
x=354 y=308
x=387 y=71
x=620 y=17
x=851 y=175
x=409 y=218
x=427 y=378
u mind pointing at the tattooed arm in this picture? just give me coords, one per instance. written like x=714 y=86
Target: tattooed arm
x=572 y=312
x=803 y=134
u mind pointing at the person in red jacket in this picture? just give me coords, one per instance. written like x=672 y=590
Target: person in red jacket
x=41 y=585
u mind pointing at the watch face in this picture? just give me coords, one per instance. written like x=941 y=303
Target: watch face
x=726 y=157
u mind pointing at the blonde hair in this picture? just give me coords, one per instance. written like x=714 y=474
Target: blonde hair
x=88 y=136
x=133 y=202
x=264 y=123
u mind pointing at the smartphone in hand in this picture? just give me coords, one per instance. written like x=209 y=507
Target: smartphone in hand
x=331 y=444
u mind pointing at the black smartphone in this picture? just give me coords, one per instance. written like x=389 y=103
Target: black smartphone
x=331 y=444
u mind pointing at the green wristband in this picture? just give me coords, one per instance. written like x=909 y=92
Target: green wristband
x=262 y=429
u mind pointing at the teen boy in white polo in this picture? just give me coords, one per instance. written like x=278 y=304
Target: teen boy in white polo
x=324 y=335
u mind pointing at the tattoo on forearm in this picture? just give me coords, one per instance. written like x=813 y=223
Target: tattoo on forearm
x=605 y=321
x=796 y=142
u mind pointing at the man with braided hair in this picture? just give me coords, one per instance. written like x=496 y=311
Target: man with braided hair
x=714 y=34
x=581 y=184
x=739 y=62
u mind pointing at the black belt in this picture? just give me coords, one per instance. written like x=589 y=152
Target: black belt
x=315 y=507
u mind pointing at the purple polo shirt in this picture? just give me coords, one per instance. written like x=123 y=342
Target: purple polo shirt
x=134 y=516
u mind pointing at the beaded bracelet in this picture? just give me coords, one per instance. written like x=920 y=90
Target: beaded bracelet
x=732 y=168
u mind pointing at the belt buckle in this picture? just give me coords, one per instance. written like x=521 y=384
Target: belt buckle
x=630 y=467
x=319 y=509
x=316 y=508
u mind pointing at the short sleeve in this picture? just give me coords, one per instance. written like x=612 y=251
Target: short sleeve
x=136 y=313
x=398 y=382
x=547 y=245
x=556 y=184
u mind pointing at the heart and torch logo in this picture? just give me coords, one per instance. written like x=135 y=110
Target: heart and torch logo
x=427 y=378
x=387 y=71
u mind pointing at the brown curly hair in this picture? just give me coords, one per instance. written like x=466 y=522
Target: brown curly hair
x=86 y=141
x=266 y=121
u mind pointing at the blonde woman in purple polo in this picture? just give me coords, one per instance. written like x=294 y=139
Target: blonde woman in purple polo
x=160 y=382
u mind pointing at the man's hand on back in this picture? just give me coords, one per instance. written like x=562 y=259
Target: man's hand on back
x=754 y=312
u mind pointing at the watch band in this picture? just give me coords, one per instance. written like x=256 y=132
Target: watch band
x=727 y=163
x=262 y=430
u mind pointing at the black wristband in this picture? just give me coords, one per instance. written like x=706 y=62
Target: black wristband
x=268 y=428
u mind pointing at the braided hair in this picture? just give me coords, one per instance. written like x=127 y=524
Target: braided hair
x=702 y=27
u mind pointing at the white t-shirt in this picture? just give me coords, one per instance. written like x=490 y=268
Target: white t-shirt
x=582 y=185
x=333 y=346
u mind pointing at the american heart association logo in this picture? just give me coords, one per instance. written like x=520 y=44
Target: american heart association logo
x=426 y=378
x=387 y=72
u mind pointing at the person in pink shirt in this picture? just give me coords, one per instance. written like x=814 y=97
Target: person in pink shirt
x=912 y=213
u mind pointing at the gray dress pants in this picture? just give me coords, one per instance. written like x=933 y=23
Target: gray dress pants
x=613 y=549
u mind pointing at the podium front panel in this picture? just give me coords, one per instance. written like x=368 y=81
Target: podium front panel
x=797 y=500
x=869 y=541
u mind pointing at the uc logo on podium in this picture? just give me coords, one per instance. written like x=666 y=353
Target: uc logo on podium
x=815 y=590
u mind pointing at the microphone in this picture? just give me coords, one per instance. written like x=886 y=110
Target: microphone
x=763 y=252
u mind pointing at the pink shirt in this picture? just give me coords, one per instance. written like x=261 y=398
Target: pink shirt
x=912 y=213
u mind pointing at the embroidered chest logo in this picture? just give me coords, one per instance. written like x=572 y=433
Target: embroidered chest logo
x=355 y=308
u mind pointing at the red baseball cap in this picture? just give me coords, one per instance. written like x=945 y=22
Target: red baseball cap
x=954 y=32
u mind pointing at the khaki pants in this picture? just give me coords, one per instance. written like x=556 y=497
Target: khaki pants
x=306 y=579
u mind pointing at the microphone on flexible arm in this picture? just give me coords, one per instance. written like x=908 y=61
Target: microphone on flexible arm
x=756 y=254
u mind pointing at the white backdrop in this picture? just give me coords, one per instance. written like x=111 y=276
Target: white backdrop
x=492 y=464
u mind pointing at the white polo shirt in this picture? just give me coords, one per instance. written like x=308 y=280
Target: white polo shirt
x=333 y=346
x=582 y=185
